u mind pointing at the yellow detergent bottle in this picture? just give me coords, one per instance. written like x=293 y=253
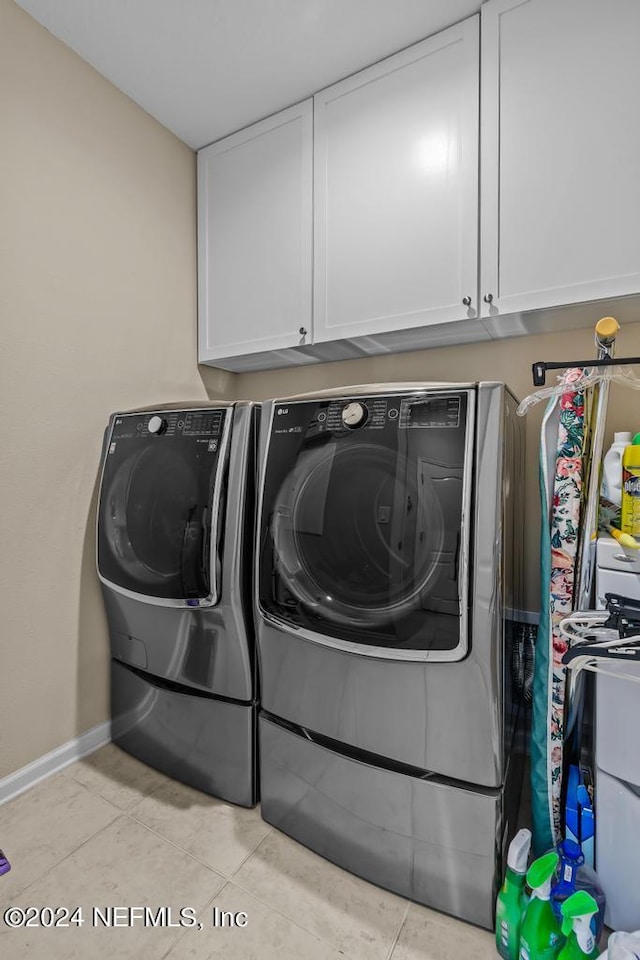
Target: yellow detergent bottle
x=630 y=507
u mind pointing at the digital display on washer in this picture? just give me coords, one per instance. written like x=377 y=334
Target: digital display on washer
x=430 y=412
x=203 y=423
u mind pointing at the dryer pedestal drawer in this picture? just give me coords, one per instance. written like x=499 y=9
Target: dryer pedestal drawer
x=432 y=842
x=204 y=742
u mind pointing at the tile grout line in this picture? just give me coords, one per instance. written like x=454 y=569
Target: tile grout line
x=251 y=853
x=96 y=793
x=46 y=872
x=131 y=815
x=296 y=921
x=180 y=936
x=400 y=928
x=134 y=819
x=177 y=846
x=255 y=850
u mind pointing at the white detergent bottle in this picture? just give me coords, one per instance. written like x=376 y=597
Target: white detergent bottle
x=612 y=468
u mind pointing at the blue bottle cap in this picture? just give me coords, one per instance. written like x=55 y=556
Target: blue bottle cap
x=570 y=849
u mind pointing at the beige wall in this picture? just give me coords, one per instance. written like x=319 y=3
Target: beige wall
x=509 y=360
x=98 y=312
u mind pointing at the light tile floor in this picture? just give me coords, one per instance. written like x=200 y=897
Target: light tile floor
x=110 y=832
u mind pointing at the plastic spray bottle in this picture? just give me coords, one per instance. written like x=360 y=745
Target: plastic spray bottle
x=541 y=937
x=574 y=874
x=571 y=858
x=577 y=912
x=512 y=897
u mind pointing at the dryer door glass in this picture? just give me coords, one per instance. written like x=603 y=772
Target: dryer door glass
x=156 y=503
x=362 y=526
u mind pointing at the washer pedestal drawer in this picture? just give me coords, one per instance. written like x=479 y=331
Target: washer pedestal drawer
x=203 y=742
x=431 y=841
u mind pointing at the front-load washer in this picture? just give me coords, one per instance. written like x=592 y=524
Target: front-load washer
x=174 y=554
x=388 y=559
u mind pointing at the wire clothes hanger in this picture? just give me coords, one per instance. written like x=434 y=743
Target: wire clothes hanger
x=594 y=641
x=580 y=377
x=600 y=641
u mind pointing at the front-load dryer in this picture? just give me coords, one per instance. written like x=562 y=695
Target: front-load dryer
x=388 y=556
x=175 y=528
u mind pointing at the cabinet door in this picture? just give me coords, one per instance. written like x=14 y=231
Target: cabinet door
x=560 y=193
x=396 y=191
x=254 y=237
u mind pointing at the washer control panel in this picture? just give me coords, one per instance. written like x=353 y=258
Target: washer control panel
x=391 y=413
x=169 y=423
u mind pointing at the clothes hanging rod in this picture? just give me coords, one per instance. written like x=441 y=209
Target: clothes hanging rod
x=540 y=367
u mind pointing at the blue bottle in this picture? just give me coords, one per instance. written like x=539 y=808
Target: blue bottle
x=571 y=858
x=574 y=874
x=5 y=866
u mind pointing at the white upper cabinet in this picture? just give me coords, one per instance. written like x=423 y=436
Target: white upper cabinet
x=255 y=236
x=396 y=191
x=560 y=142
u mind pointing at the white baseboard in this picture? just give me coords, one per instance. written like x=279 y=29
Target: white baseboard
x=53 y=762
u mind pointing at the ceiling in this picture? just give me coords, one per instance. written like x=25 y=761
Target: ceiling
x=205 y=68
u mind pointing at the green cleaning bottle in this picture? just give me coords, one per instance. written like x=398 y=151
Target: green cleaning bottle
x=541 y=937
x=577 y=911
x=512 y=900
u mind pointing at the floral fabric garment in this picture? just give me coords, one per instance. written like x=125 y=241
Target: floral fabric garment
x=565 y=523
x=561 y=489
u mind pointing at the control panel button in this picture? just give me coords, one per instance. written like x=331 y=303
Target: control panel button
x=354 y=414
x=156 y=425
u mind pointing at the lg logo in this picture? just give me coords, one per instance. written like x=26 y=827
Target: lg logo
x=282 y=410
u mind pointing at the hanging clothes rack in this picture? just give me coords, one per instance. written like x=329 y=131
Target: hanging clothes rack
x=540 y=367
x=572 y=440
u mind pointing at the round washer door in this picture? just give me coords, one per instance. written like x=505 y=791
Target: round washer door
x=153 y=530
x=352 y=538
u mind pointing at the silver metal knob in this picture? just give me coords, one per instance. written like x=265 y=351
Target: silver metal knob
x=488 y=298
x=156 y=425
x=354 y=414
x=302 y=331
x=466 y=301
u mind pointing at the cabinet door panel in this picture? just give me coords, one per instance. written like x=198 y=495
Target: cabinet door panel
x=254 y=237
x=395 y=189
x=560 y=145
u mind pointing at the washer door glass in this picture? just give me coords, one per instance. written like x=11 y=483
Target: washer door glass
x=351 y=537
x=360 y=532
x=155 y=517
